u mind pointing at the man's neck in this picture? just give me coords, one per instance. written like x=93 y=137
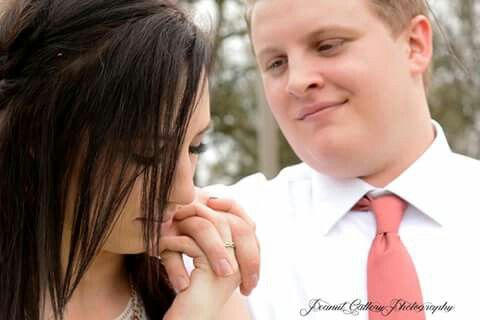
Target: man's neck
x=412 y=150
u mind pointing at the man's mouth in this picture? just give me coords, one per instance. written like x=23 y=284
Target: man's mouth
x=313 y=109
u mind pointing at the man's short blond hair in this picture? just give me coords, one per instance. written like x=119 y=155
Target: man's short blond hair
x=396 y=14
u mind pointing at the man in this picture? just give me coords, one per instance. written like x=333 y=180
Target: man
x=346 y=83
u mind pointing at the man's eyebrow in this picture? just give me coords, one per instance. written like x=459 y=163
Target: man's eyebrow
x=266 y=51
x=328 y=29
x=311 y=35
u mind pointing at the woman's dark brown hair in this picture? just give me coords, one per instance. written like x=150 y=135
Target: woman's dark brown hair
x=99 y=83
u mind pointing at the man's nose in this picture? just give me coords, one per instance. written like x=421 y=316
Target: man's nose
x=303 y=77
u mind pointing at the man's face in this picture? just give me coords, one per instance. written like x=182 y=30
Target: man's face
x=336 y=80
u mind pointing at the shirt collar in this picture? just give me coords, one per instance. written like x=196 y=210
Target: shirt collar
x=419 y=185
x=427 y=183
x=334 y=197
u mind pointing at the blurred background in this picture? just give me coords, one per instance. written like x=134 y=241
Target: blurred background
x=245 y=138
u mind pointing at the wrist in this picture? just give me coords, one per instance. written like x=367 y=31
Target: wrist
x=186 y=311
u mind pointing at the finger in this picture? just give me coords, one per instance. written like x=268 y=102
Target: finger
x=201 y=196
x=230 y=206
x=223 y=228
x=219 y=220
x=185 y=212
x=170 y=251
x=247 y=246
x=243 y=235
x=189 y=210
x=181 y=244
x=208 y=238
x=247 y=252
x=221 y=223
x=176 y=271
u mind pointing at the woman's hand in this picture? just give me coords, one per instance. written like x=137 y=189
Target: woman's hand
x=203 y=221
x=207 y=293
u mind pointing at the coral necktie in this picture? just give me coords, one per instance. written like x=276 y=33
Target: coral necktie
x=391 y=276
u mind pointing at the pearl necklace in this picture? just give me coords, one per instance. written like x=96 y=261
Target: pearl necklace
x=134 y=311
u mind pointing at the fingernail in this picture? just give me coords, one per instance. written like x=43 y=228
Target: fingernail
x=246 y=291
x=180 y=284
x=224 y=268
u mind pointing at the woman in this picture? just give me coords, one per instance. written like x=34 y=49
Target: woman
x=104 y=106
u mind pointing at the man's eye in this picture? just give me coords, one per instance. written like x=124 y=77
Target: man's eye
x=198 y=149
x=276 y=64
x=329 y=46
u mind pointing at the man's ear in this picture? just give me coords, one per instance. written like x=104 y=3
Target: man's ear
x=420 y=44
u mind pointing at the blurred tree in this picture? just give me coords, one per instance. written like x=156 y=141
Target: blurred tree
x=454 y=93
x=455 y=87
x=235 y=98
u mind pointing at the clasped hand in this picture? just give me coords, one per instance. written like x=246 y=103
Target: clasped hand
x=201 y=230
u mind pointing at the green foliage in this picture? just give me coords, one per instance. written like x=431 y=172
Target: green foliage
x=454 y=95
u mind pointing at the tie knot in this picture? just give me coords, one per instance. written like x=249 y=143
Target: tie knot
x=388 y=211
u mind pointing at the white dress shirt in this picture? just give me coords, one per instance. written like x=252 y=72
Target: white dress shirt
x=314 y=247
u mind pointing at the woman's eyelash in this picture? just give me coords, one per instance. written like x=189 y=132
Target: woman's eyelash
x=199 y=149
x=150 y=160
